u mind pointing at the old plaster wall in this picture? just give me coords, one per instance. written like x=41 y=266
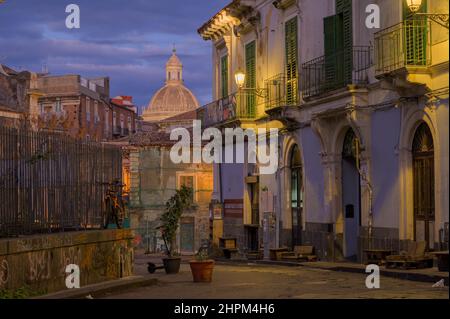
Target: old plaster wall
x=39 y=262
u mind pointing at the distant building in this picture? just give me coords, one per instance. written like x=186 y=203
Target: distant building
x=152 y=178
x=124 y=116
x=18 y=97
x=173 y=98
x=76 y=105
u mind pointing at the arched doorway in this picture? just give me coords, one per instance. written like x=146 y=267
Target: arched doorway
x=296 y=195
x=423 y=185
x=351 y=194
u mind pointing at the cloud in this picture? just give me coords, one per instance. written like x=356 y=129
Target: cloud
x=130 y=41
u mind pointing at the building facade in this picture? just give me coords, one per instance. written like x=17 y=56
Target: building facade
x=83 y=108
x=362 y=115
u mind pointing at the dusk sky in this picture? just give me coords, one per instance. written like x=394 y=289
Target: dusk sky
x=129 y=41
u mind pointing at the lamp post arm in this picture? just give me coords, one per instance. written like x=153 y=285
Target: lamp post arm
x=439 y=18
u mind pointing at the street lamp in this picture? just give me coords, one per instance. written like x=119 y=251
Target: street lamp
x=239 y=76
x=414 y=5
x=439 y=18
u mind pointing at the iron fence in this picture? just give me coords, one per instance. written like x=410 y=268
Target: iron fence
x=406 y=44
x=237 y=106
x=50 y=182
x=280 y=91
x=335 y=71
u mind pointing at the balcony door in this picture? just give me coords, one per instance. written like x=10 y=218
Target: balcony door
x=416 y=36
x=423 y=185
x=338 y=40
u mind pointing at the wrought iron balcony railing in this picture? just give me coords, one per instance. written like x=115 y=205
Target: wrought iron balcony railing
x=237 y=106
x=406 y=44
x=335 y=71
x=280 y=91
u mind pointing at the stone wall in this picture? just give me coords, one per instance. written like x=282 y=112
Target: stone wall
x=39 y=262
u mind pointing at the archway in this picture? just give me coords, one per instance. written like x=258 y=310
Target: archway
x=423 y=185
x=351 y=194
x=296 y=197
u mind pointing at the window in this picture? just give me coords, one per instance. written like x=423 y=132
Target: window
x=58 y=106
x=41 y=108
x=188 y=181
x=96 y=118
x=114 y=119
x=106 y=119
x=250 y=79
x=338 y=39
x=129 y=123
x=416 y=36
x=88 y=109
x=291 y=48
x=224 y=76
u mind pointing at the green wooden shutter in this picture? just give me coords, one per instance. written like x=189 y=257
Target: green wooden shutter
x=416 y=36
x=291 y=47
x=224 y=76
x=250 y=79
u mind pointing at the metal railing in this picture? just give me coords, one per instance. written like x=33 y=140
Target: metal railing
x=335 y=71
x=280 y=91
x=237 y=106
x=406 y=44
x=50 y=182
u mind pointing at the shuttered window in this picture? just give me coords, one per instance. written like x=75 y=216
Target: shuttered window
x=338 y=39
x=250 y=78
x=224 y=76
x=291 y=47
x=416 y=36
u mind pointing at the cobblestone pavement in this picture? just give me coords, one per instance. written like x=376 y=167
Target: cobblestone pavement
x=273 y=282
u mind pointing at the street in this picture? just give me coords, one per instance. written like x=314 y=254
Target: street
x=273 y=282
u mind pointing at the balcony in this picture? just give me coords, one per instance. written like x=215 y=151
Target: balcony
x=239 y=106
x=402 y=46
x=335 y=71
x=280 y=91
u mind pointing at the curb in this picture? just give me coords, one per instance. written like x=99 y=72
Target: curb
x=100 y=289
x=403 y=275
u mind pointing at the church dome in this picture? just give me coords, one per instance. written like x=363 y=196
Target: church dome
x=174 y=97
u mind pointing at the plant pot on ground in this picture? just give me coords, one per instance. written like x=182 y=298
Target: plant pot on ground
x=170 y=219
x=202 y=267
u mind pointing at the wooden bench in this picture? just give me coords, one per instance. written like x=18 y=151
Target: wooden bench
x=414 y=258
x=442 y=257
x=275 y=253
x=228 y=247
x=300 y=253
x=377 y=256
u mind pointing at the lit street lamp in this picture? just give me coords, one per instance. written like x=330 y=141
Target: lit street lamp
x=439 y=18
x=239 y=76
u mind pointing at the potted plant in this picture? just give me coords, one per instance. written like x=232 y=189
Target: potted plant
x=202 y=267
x=175 y=206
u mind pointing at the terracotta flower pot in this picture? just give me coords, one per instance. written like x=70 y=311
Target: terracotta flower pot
x=202 y=270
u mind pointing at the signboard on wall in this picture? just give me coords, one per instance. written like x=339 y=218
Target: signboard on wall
x=215 y=211
x=233 y=208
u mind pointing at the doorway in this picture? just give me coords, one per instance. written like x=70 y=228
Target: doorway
x=351 y=195
x=423 y=185
x=296 y=196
